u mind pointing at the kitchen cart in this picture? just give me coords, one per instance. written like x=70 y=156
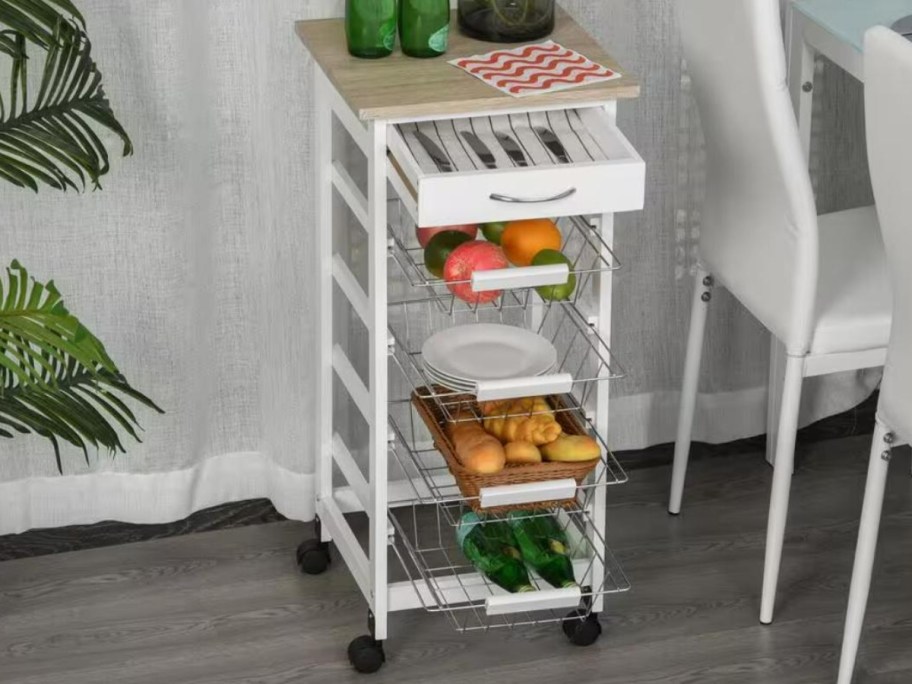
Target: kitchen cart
x=378 y=178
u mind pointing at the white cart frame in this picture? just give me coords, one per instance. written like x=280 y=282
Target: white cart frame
x=613 y=178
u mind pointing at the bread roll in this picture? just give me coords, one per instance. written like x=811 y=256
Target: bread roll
x=476 y=450
x=521 y=420
x=569 y=448
x=522 y=453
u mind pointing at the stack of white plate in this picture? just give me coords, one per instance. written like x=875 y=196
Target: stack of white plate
x=461 y=357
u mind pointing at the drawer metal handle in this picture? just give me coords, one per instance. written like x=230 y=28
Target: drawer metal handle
x=520 y=200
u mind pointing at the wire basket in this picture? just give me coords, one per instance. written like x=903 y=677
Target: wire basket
x=446 y=582
x=582 y=244
x=582 y=352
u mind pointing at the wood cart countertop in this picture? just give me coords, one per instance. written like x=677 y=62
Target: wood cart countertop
x=400 y=87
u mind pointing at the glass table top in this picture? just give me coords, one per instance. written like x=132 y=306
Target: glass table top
x=849 y=19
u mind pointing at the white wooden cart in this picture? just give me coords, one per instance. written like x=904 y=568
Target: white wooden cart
x=378 y=305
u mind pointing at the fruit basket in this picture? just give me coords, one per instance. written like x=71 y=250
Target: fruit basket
x=585 y=256
x=472 y=484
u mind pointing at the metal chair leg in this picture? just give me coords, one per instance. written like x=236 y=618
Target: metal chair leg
x=702 y=296
x=782 y=482
x=878 y=467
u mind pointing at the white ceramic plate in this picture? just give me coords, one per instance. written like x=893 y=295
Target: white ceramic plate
x=487 y=351
x=450 y=384
x=460 y=383
x=454 y=385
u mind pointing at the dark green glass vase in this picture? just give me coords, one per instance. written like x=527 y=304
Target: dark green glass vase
x=424 y=27
x=506 y=21
x=370 y=27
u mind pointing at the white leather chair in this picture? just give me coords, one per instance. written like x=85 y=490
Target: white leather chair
x=817 y=283
x=888 y=106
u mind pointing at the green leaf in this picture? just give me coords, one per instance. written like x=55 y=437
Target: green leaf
x=37 y=20
x=56 y=378
x=53 y=139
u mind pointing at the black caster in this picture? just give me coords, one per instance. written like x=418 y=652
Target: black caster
x=366 y=654
x=582 y=629
x=313 y=557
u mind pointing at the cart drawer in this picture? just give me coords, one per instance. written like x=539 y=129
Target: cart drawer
x=442 y=179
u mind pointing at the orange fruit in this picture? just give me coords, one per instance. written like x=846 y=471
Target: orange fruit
x=522 y=240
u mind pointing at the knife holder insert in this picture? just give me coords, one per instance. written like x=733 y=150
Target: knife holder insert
x=572 y=133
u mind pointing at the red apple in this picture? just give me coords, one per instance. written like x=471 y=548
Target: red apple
x=477 y=255
x=425 y=234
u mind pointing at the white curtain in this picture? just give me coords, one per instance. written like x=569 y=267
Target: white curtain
x=194 y=263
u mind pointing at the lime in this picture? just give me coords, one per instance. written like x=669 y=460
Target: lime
x=493 y=231
x=548 y=257
x=440 y=247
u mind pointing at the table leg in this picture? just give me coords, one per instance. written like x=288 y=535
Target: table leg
x=801 y=59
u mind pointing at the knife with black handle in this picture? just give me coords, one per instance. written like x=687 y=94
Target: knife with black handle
x=512 y=148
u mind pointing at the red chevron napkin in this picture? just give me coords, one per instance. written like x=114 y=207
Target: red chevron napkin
x=535 y=69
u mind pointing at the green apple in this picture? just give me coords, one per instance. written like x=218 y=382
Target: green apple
x=553 y=293
x=494 y=231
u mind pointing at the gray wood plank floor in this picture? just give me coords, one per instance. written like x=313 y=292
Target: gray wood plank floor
x=228 y=607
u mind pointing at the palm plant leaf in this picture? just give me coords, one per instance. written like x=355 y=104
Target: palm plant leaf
x=37 y=20
x=51 y=138
x=56 y=379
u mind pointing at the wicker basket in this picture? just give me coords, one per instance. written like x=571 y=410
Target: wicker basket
x=470 y=483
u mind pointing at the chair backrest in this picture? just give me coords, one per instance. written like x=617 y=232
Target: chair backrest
x=759 y=228
x=888 y=113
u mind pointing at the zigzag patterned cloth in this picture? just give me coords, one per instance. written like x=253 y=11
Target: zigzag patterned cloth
x=535 y=69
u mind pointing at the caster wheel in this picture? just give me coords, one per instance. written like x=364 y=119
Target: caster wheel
x=313 y=557
x=366 y=654
x=581 y=630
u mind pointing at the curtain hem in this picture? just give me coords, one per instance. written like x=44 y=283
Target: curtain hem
x=638 y=421
x=643 y=420
x=151 y=498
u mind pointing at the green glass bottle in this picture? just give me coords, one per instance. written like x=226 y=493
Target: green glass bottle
x=370 y=27
x=424 y=27
x=543 y=544
x=492 y=549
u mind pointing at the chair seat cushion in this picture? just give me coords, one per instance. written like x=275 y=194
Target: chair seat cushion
x=854 y=301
